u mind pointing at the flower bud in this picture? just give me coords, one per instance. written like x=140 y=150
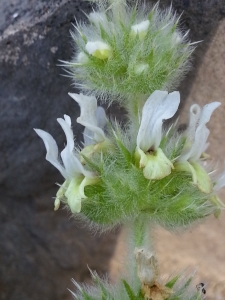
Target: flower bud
x=82 y=58
x=99 y=49
x=140 y=29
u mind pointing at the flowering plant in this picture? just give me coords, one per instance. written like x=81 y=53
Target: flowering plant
x=146 y=172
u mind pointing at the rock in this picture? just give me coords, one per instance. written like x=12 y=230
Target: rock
x=202 y=18
x=33 y=94
x=40 y=249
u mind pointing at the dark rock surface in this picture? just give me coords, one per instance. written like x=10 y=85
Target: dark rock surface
x=40 y=249
x=202 y=17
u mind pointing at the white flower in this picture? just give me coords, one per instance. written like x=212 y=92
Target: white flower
x=197 y=130
x=98 y=17
x=196 y=145
x=159 y=106
x=99 y=49
x=71 y=168
x=220 y=181
x=82 y=58
x=92 y=117
x=141 y=29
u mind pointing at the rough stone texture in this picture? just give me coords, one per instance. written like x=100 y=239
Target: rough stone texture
x=40 y=250
x=202 y=18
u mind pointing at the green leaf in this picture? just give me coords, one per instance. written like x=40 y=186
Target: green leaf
x=104 y=34
x=125 y=151
x=90 y=163
x=150 y=55
x=150 y=16
x=131 y=293
x=105 y=294
x=171 y=283
x=87 y=297
x=178 y=148
x=183 y=289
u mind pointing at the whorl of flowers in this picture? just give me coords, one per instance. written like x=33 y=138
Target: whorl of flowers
x=158 y=174
x=126 y=51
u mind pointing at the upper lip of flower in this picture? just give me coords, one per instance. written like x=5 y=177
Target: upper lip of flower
x=71 y=167
x=159 y=106
x=92 y=117
x=197 y=130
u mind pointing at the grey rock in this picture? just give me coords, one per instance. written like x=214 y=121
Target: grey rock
x=202 y=18
x=40 y=249
x=33 y=94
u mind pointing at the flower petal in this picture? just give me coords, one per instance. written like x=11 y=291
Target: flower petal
x=159 y=107
x=199 y=120
x=99 y=49
x=75 y=192
x=199 y=175
x=91 y=136
x=74 y=195
x=93 y=118
x=220 y=181
x=61 y=193
x=195 y=112
x=141 y=29
x=156 y=165
x=204 y=182
x=52 y=151
x=72 y=164
x=82 y=58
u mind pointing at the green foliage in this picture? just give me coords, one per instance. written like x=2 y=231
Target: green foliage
x=130 y=292
x=123 y=194
x=124 y=290
x=137 y=66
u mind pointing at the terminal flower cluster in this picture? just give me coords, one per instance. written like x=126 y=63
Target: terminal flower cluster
x=129 y=50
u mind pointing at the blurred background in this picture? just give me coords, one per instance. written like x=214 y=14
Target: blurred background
x=41 y=250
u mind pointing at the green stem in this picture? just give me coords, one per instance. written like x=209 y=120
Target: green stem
x=134 y=105
x=139 y=233
x=138 y=236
